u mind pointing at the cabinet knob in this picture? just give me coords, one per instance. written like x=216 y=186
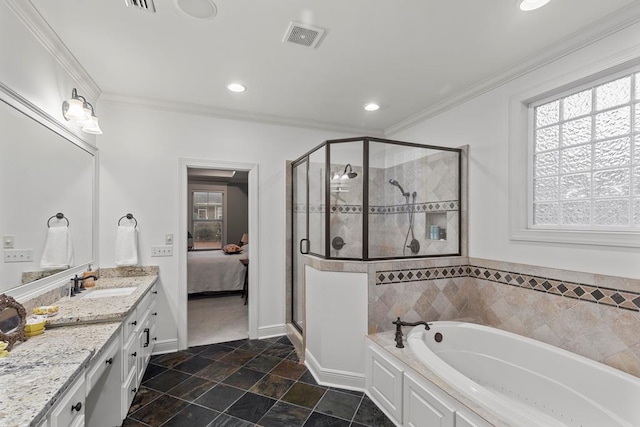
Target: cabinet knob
x=134 y=354
x=155 y=314
x=134 y=323
x=133 y=390
x=76 y=407
x=109 y=361
x=155 y=338
x=155 y=292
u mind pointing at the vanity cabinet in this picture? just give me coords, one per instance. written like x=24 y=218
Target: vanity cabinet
x=409 y=399
x=139 y=337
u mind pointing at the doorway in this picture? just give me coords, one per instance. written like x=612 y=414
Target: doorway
x=218 y=209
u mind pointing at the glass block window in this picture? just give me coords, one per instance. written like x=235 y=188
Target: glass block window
x=586 y=158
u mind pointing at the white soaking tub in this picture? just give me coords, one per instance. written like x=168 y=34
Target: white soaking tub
x=527 y=382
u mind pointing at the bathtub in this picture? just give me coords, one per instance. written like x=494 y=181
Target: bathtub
x=526 y=382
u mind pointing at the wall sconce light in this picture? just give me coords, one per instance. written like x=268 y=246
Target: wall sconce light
x=80 y=111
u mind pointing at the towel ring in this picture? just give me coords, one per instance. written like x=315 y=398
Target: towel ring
x=59 y=215
x=128 y=216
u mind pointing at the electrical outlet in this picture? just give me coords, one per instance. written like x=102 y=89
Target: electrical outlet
x=18 y=255
x=162 y=250
x=168 y=239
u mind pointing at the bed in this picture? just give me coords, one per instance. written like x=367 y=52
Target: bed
x=215 y=271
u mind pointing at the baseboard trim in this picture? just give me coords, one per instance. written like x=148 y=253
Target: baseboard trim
x=166 y=346
x=272 y=331
x=333 y=377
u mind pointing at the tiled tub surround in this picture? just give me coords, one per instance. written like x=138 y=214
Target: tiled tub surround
x=592 y=315
x=46 y=365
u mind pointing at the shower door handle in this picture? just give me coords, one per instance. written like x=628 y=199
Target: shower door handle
x=303 y=252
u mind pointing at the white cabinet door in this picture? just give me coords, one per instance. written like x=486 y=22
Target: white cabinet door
x=384 y=383
x=69 y=410
x=423 y=407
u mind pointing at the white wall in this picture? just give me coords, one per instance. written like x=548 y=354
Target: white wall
x=336 y=306
x=139 y=154
x=31 y=71
x=483 y=123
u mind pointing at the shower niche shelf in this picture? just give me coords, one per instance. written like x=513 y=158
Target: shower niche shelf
x=436 y=227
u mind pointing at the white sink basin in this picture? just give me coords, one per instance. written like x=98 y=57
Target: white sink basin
x=105 y=293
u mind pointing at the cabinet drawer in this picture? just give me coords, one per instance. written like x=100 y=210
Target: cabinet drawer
x=130 y=324
x=69 y=410
x=129 y=389
x=101 y=363
x=130 y=354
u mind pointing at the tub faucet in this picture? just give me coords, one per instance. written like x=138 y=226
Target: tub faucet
x=399 y=324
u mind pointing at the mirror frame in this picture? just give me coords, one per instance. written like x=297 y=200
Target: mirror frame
x=18 y=334
x=23 y=292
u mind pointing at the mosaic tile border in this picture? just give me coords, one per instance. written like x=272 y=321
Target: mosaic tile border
x=435 y=207
x=419 y=274
x=441 y=206
x=618 y=298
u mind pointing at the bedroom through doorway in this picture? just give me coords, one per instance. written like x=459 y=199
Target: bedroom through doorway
x=217 y=255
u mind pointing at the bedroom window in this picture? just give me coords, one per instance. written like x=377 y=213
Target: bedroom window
x=585 y=157
x=207 y=219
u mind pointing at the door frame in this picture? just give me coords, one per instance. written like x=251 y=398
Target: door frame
x=183 y=211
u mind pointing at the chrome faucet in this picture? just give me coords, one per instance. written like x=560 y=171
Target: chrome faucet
x=399 y=324
x=78 y=284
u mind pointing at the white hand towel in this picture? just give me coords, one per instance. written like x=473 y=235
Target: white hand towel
x=58 y=250
x=126 y=246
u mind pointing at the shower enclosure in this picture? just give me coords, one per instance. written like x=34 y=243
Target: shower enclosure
x=373 y=199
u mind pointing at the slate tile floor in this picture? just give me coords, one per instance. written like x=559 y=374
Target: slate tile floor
x=244 y=383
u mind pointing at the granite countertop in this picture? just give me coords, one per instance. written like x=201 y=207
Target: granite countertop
x=77 y=309
x=38 y=371
x=386 y=340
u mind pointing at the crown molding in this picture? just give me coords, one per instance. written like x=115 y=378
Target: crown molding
x=223 y=113
x=602 y=28
x=42 y=31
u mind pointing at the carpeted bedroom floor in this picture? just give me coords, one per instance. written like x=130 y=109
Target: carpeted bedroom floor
x=217 y=319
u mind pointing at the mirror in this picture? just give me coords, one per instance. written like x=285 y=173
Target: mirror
x=13 y=317
x=42 y=173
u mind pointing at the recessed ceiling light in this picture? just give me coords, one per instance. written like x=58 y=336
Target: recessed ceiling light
x=528 y=5
x=199 y=9
x=236 y=87
x=371 y=106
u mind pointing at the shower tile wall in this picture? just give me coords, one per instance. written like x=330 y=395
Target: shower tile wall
x=435 y=180
x=592 y=315
x=346 y=214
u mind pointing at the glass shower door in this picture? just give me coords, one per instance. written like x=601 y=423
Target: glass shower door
x=300 y=237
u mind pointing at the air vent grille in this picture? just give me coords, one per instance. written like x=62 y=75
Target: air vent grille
x=304 y=35
x=141 y=4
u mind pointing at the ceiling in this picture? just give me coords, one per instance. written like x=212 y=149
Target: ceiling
x=409 y=56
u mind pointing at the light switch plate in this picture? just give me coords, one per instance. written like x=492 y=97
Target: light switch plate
x=168 y=239
x=18 y=255
x=162 y=250
x=8 y=241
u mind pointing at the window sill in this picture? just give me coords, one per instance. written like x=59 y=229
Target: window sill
x=596 y=238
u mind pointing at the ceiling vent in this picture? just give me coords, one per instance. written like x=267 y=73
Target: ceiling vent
x=141 y=4
x=304 y=35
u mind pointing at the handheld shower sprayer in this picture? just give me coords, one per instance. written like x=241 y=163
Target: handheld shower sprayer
x=396 y=184
x=414 y=246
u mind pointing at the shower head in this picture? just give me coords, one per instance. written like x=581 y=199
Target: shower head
x=351 y=174
x=396 y=184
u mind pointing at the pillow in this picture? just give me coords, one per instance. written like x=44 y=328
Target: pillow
x=231 y=249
